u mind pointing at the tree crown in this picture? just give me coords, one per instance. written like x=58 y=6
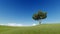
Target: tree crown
x=40 y=15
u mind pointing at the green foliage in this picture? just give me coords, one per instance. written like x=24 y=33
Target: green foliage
x=35 y=17
x=40 y=15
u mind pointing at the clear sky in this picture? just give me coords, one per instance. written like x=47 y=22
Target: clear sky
x=21 y=11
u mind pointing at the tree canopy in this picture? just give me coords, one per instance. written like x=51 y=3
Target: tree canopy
x=40 y=15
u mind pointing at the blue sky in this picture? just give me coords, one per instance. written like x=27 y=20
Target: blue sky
x=21 y=11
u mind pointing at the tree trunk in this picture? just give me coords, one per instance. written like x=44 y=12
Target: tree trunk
x=40 y=22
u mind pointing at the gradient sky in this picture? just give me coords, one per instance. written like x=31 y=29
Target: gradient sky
x=21 y=11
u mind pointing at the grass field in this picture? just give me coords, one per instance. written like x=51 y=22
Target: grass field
x=39 y=29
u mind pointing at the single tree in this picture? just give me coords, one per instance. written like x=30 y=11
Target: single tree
x=39 y=16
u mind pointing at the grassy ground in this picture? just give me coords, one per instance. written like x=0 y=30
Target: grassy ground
x=39 y=29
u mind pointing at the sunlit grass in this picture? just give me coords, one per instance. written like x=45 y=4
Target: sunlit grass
x=39 y=29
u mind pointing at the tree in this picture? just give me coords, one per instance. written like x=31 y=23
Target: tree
x=39 y=16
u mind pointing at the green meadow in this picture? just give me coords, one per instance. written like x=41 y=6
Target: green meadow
x=38 y=29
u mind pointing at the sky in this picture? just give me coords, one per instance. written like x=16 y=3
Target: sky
x=21 y=11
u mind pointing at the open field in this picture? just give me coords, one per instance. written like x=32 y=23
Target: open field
x=39 y=29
